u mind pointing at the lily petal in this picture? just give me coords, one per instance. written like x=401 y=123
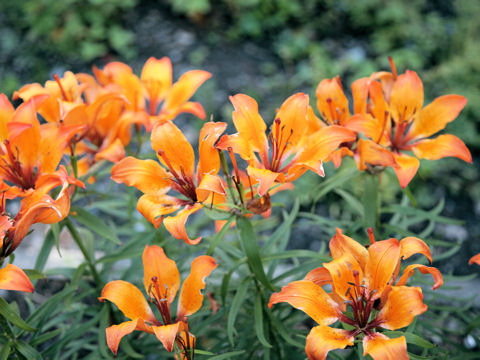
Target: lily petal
x=402 y=305
x=184 y=88
x=442 y=146
x=115 y=333
x=319 y=276
x=412 y=245
x=154 y=207
x=176 y=224
x=146 y=175
x=310 y=298
x=342 y=271
x=191 y=298
x=474 y=260
x=341 y=244
x=157 y=264
x=380 y=347
x=209 y=161
x=322 y=339
x=410 y=270
x=405 y=168
x=331 y=101
x=129 y=300
x=210 y=184
x=14 y=278
x=265 y=178
x=436 y=115
x=406 y=98
x=166 y=334
x=156 y=77
x=370 y=153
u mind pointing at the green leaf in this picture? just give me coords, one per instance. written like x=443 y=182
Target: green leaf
x=26 y=350
x=411 y=338
x=94 y=224
x=250 y=246
x=45 y=250
x=34 y=274
x=8 y=313
x=217 y=215
x=370 y=202
x=227 y=355
x=203 y=352
x=258 y=311
x=334 y=181
x=237 y=302
x=5 y=350
x=219 y=236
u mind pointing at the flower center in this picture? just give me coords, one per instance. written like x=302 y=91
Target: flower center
x=279 y=142
x=13 y=170
x=180 y=182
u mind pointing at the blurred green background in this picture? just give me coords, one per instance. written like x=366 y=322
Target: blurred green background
x=270 y=49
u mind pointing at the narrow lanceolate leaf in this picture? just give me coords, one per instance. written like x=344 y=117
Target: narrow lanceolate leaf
x=258 y=310
x=26 y=350
x=8 y=313
x=93 y=223
x=5 y=350
x=238 y=299
x=250 y=246
x=228 y=355
x=411 y=338
x=44 y=252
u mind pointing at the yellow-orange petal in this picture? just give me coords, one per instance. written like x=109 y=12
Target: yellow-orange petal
x=191 y=297
x=175 y=225
x=156 y=77
x=341 y=244
x=154 y=207
x=210 y=184
x=265 y=178
x=209 y=161
x=342 y=270
x=410 y=270
x=184 y=88
x=169 y=139
x=310 y=298
x=360 y=95
x=406 y=97
x=365 y=124
x=238 y=145
x=14 y=278
x=157 y=264
x=248 y=122
x=322 y=339
x=380 y=347
x=436 y=115
x=331 y=101
x=166 y=334
x=442 y=146
x=291 y=122
x=146 y=175
x=113 y=152
x=319 y=276
x=115 y=333
x=412 y=245
x=405 y=168
x=384 y=257
x=402 y=305
x=337 y=155
x=474 y=260
x=372 y=154
x=129 y=300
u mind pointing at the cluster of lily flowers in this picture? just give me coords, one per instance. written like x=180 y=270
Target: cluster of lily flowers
x=89 y=120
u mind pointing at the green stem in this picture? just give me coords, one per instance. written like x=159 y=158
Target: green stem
x=371 y=202
x=230 y=186
x=76 y=237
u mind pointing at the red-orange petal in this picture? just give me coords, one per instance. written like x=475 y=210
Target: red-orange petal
x=310 y=298
x=176 y=224
x=184 y=88
x=341 y=244
x=248 y=122
x=177 y=150
x=402 y=305
x=115 y=333
x=319 y=276
x=406 y=97
x=322 y=339
x=209 y=161
x=191 y=297
x=436 y=115
x=146 y=175
x=410 y=270
x=14 y=278
x=129 y=300
x=380 y=347
x=442 y=146
x=412 y=245
x=384 y=257
x=474 y=260
x=405 y=168
x=166 y=334
x=157 y=264
x=265 y=178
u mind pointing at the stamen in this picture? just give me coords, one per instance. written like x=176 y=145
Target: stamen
x=234 y=163
x=370 y=235
x=394 y=69
x=332 y=110
x=168 y=163
x=62 y=90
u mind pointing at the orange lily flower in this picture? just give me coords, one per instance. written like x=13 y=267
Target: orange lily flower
x=177 y=173
x=395 y=121
x=162 y=281
x=363 y=279
x=474 y=260
x=297 y=142
x=14 y=278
